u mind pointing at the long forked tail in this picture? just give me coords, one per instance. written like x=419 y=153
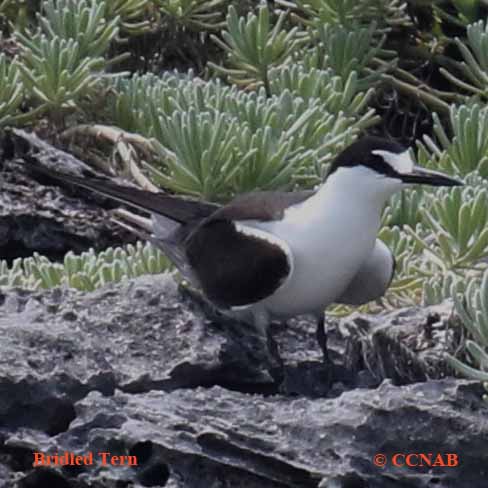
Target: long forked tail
x=171 y=216
x=178 y=209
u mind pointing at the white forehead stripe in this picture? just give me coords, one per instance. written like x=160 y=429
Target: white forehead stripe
x=402 y=163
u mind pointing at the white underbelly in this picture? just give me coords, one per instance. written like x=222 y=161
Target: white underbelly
x=325 y=260
x=317 y=280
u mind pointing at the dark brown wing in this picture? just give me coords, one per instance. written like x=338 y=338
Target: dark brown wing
x=237 y=265
x=234 y=264
x=262 y=206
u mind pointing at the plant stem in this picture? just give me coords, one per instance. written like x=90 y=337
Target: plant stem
x=429 y=99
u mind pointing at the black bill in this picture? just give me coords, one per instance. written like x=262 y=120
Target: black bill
x=422 y=176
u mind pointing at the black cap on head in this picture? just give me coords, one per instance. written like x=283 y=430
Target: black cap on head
x=364 y=153
x=360 y=153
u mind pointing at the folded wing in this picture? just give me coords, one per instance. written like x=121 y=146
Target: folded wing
x=237 y=265
x=234 y=263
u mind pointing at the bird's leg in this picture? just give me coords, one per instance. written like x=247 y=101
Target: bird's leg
x=322 y=338
x=201 y=301
x=261 y=321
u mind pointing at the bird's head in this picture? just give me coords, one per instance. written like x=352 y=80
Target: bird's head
x=380 y=167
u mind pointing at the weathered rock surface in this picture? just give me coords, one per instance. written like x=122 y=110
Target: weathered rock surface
x=36 y=216
x=216 y=437
x=405 y=345
x=135 y=369
x=136 y=336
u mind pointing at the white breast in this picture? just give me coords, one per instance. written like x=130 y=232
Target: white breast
x=330 y=236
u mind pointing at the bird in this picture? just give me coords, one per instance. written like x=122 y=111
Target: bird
x=274 y=255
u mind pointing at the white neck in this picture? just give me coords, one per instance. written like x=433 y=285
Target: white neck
x=358 y=188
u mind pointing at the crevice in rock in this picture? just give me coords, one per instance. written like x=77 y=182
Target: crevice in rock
x=143 y=451
x=154 y=474
x=354 y=481
x=27 y=234
x=274 y=468
x=105 y=383
x=16 y=457
x=204 y=471
x=38 y=217
x=73 y=471
x=206 y=383
x=44 y=478
x=43 y=407
x=51 y=416
x=189 y=376
x=123 y=484
x=61 y=416
x=151 y=471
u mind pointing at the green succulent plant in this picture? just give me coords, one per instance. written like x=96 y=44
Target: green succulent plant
x=17 y=12
x=86 y=271
x=349 y=13
x=11 y=90
x=55 y=74
x=472 y=307
x=345 y=51
x=197 y=14
x=335 y=94
x=82 y=21
x=134 y=15
x=205 y=159
x=473 y=70
x=458 y=221
x=468 y=10
x=405 y=208
x=439 y=287
x=254 y=46
x=215 y=141
x=62 y=61
x=467 y=150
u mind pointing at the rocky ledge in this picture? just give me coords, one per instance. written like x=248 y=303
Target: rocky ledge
x=35 y=216
x=179 y=400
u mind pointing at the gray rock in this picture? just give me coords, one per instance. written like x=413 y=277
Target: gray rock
x=135 y=369
x=220 y=438
x=37 y=216
x=405 y=345
x=136 y=336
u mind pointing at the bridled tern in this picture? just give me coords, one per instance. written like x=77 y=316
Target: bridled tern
x=275 y=255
